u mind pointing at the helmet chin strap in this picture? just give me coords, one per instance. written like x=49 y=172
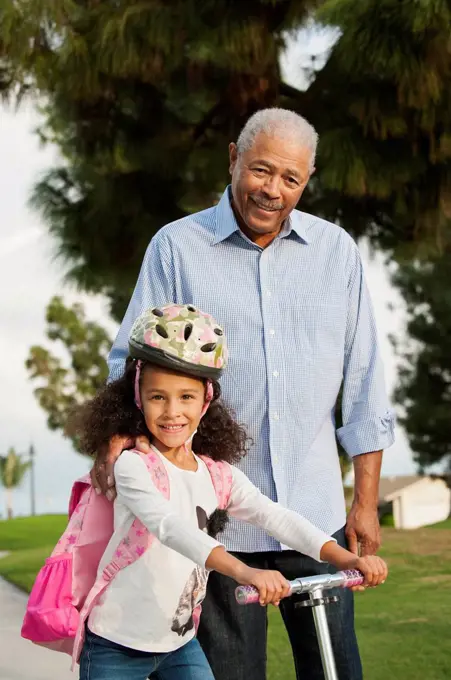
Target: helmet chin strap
x=139 y=364
x=208 y=399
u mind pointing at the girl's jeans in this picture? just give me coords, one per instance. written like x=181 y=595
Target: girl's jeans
x=105 y=660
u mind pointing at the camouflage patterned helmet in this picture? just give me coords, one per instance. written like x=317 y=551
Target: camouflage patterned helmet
x=180 y=337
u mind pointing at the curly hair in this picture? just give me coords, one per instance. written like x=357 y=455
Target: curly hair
x=113 y=412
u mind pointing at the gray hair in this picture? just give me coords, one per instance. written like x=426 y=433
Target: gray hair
x=279 y=123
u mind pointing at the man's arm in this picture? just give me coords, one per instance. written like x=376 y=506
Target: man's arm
x=368 y=421
x=155 y=286
x=362 y=525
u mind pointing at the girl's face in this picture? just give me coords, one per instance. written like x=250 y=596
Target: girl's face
x=172 y=404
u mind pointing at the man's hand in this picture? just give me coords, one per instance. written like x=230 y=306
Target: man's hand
x=362 y=527
x=102 y=476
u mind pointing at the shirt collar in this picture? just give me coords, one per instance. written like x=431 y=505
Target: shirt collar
x=226 y=223
x=296 y=222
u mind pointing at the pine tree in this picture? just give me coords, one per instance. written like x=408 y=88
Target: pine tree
x=143 y=97
x=424 y=390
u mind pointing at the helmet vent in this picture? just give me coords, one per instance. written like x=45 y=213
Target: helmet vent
x=157 y=312
x=219 y=331
x=161 y=331
x=209 y=347
x=188 y=330
x=190 y=308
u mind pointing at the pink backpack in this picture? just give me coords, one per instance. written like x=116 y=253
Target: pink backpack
x=67 y=587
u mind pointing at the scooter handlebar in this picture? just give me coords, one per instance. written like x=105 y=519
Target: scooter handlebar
x=342 y=579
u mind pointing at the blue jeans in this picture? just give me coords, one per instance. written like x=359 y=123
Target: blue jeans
x=104 y=660
x=234 y=637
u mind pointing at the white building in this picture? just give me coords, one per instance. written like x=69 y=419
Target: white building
x=416 y=501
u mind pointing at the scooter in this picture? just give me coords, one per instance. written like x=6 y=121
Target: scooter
x=315 y=587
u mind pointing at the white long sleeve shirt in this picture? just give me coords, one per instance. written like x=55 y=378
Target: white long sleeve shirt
x=148 y=605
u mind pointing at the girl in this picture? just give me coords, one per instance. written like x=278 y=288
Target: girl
x=144 y=624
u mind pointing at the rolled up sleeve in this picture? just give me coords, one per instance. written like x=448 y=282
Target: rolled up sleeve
x=368 y=419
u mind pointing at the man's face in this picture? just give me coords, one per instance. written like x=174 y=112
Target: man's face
x=267 y=183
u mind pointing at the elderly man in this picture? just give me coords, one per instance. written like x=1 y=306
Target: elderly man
x=289 y=289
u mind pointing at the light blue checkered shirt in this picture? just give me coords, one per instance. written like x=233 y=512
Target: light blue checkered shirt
x=298 y=318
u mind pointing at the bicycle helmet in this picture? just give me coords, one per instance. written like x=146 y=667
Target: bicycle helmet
x=180 y=337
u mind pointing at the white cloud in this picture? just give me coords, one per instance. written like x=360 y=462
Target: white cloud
x=29 y=277
x=9 y=245
x=398 y=458
x=296 y=62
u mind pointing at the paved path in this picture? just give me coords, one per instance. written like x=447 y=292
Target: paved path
x=20 y=659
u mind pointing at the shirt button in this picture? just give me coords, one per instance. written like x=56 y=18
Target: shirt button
x=268 y=293
x=276 y=459
x=272 y=331
x=275 y=374
x=275 y=416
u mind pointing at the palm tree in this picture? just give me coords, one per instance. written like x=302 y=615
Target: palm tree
x=12 y=470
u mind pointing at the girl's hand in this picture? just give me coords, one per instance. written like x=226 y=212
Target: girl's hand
x=271 y=585
x=374 y=570
x=372 y=567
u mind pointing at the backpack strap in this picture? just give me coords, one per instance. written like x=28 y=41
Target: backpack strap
x=78 y=489
x=221 y=476
x=139 y=539
x=132 y=546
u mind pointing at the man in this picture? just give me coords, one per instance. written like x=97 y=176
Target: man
x=289 y=290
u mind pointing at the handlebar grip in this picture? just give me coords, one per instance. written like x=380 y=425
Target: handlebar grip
x=353 y=577
x=246 y=595
x=343 y=579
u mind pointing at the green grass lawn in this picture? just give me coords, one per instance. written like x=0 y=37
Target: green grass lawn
x=30 y=540
x=446 y=524
x=31 y=532
x=22 y=565
x=403 y=626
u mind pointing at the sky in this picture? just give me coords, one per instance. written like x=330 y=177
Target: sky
x=30 y=274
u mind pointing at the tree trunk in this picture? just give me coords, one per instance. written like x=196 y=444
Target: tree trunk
x=9 y=503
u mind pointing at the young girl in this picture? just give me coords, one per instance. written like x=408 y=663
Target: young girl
x=144 y=624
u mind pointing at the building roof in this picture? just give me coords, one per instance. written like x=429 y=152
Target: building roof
x=390 y=485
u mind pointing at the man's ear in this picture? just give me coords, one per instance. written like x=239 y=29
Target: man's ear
x=233 y=156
